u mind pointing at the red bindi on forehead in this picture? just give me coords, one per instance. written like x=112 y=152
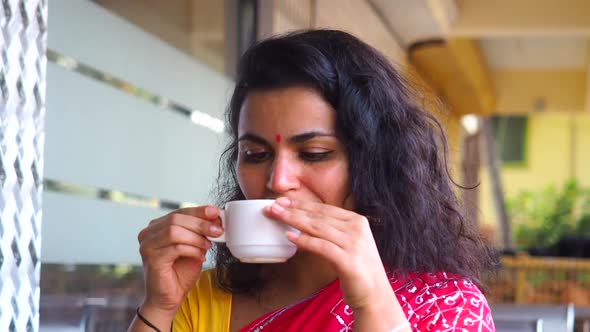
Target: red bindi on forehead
x=278 y=138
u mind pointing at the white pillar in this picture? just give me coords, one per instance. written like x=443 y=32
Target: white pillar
x=23 y=41
x=587 y=102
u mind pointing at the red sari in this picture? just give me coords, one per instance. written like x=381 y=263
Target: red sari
x=431 y=302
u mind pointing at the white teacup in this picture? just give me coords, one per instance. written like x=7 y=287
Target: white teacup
x=251 y=236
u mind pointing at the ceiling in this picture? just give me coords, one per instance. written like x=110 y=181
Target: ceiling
x=534 y=52
x=195 y=27
x=483 y=56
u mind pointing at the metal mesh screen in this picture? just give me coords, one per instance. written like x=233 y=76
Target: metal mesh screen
x=23 y=42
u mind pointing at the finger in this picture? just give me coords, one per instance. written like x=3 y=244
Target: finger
x=318 y=208
x=209 y=212
x=198 y=225
x=324 y=248
x=345 y=220
x=178 y=235
x=190 y=223
x=308 y=222
x=206 y=212
x=172 y=252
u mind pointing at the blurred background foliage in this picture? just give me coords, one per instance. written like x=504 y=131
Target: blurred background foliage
x=542 y=218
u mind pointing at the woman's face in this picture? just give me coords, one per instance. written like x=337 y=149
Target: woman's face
x=288 y=147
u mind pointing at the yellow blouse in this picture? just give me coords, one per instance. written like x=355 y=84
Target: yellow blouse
x=205 y=309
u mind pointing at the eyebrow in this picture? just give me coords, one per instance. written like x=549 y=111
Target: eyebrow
x=297 y=139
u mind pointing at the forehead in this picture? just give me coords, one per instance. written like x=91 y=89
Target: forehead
x=285 y=111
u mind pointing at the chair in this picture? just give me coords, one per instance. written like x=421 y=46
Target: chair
x=553 y=318
x=582 y=319
x=518 y=325
x=60 y=313
x=79 y=313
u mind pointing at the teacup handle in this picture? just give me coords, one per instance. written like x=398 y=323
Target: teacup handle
x=220 y=238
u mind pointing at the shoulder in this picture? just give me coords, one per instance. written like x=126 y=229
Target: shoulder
x=204 y=306
x=206 y=288
x=436 y=285
x=442 y=302
x=201 y=294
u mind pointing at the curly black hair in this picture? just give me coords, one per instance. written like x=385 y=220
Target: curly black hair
x=397 y=154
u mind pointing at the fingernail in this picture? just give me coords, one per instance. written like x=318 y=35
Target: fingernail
x=284 y=201
x=292 y=236
x=215 y=229
x=277 y=208
x=209 y=211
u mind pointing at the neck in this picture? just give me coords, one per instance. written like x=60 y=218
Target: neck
x=303 y=274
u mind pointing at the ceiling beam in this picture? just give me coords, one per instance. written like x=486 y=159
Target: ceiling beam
x=457 y=70
x=587 y=100
x=486 y=18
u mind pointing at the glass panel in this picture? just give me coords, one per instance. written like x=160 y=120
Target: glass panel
x=126 y=107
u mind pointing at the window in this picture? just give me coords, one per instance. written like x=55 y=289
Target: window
x=510 y=136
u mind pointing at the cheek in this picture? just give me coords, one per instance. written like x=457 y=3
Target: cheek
x=251 y=182
x=332 y=187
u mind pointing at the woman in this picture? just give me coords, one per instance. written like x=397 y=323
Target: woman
x=325 y=125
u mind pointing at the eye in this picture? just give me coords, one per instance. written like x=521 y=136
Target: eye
x=315 y=156
x=256 y=156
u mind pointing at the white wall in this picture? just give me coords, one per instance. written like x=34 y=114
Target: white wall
x=99 y=136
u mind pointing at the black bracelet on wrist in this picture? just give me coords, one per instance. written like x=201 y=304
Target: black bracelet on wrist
x=146 y=322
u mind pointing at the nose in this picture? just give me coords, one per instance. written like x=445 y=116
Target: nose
x=284 y=175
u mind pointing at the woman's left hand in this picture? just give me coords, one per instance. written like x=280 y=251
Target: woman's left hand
x=344 y=238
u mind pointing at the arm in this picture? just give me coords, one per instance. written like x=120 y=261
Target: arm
x=344 y=238
x=382 y=315
x=157 y=319
x=173 y=250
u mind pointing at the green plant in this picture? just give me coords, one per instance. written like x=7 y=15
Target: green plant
x=541 y=218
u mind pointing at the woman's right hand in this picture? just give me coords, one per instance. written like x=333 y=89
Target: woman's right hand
x=173 y=250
